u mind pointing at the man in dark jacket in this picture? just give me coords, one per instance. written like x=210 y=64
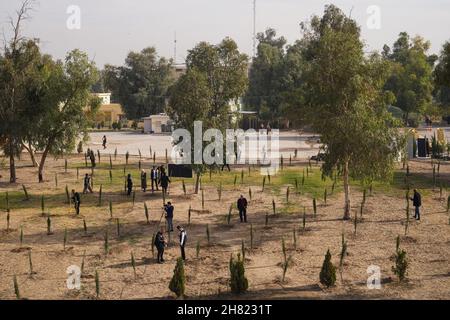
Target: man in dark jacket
x=242 y=207
x=160 y=243
x=164 y=182
x=417 y=203
x=183 y=239
x=129 y=184
x=76 y=201
x=169 y=215
x=143 y=180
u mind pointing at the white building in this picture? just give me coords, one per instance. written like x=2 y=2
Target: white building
x=106 y=97
x=158 y=123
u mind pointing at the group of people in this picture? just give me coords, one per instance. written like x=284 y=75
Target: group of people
x=160 y=241
x=158 y=177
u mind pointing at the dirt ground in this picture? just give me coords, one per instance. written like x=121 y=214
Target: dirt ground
x=427 y=242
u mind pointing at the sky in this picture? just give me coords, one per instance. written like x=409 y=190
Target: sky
x=109 y=29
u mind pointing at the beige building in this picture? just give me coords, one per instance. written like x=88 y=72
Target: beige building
x=158 y=123
x=108 y=113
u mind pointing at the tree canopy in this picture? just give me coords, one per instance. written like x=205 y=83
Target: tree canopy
x=141 y=84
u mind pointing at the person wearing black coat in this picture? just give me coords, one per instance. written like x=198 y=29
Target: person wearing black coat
x=417 y=203
x=164 y=182
x=143 y=180
x=129 y=184
x=76 y=201
x=160 y=244
x=242 y=207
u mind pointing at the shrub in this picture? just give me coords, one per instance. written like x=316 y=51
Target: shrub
x=178 y=283
x=401 y=263
x=238 y=281
x=328 y=271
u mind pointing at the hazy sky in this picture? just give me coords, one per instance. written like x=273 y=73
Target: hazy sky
x=111 y=28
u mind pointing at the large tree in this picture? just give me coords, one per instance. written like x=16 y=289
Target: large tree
x=265 y=77
x=345 y=102
x=63 y=96
x=442 y=79
x=141 y=84
x=215 y=76
x=225 y=69
x=18 y=63
x=411 y=77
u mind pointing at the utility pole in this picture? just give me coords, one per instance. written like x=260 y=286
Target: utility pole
x=175 y=49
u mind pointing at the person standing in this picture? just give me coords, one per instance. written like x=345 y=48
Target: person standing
x=160 y=244
x=87 y=184
x=92 y=157
x=183 y=239
x=417 y=203
x=129 y=184
x=76 y=201
x=154 y=178
x=169 y=215
x=164 y=181
x=143 y=180
x=104 y=142
x=242 y=207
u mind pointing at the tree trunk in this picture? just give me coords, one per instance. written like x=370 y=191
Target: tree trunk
x=29 y=148
x=347 y=192
x=41 y=164
x=12 y=165
x=197 y=182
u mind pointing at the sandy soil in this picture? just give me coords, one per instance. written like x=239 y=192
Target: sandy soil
x=427 y=244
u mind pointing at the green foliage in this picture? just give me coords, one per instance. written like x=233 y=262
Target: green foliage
x=238 y=281
x=130 y=83
x=178 y=282
x=401 y=263
x=362 y=140
x=328 y=271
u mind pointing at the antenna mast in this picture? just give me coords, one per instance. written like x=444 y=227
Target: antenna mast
x=175 y=49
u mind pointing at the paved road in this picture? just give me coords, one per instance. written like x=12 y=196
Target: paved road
x=133 y=142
